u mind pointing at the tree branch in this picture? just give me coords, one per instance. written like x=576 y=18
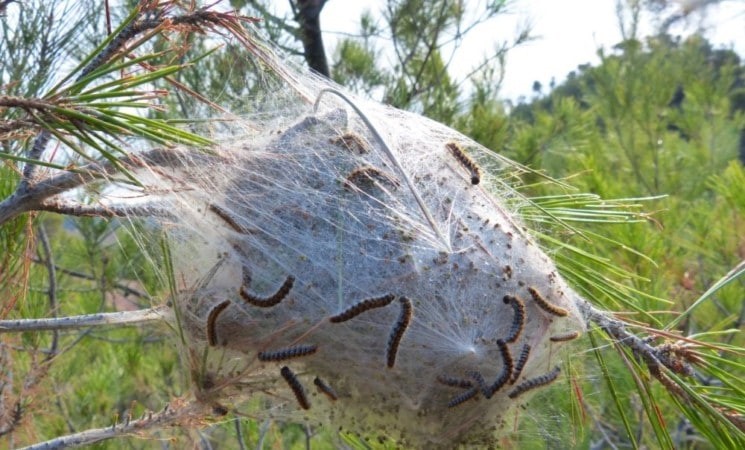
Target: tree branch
x=170 y=415
x=309 y=17
x=124 y=318
x=73 y=273
x=33 y=197
x=52 y=288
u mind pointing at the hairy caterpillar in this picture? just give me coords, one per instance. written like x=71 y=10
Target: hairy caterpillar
x=454 y=382
x=535 y=382
x=521 y=360
x=462 y=398
x=352 y=142
x=398 y=330
x=228 y=218
x=212 y=318
x=296 y=387
x=362 y=306
x=288 y=353
x=272 y=300
x=358 y=175
x=466 y=161
x=518 y=321
x=545 y=305
x=565 y=337
x=326 y=389
x=507 y=366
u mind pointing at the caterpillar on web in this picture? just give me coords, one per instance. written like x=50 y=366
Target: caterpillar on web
x=454 y=382
x=296 y=387
x=325 y=389
x=521 y=360
x=364 y=305
x=226 y=216
x=535 y=382
x=288 y=353
x=565 y=337
x=212 y=319
x=507 y=367
x=272 y=300
x=545 y=305
x=351 y=141
x=398 y=331
x=466 y=161
x=367 y=174
x=462 y=398
x=518 y=319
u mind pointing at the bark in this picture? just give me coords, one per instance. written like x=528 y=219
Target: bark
x=309 y=17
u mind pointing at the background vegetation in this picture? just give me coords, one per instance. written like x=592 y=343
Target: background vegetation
x=659 y=118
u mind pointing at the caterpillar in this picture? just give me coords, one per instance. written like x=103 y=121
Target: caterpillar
x=466 y=161
x=358 y=175
x=507 y=366
x=211 y=319
x=565 y=337
x=545 y=305
x=503 y=377
x=521 y=360
x=398 y=330
x=326 y=389
x=364 y=305
x=518 y=321
x=288 y=353
x=454 y=382
x=535 y=382
x=462 y=398
x=228 y=218
x=296 y=387
x=352 y=142
x=479 y=379
x=272 y=300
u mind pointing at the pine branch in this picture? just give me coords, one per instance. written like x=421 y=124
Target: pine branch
x=124 y=318
x=173 y=413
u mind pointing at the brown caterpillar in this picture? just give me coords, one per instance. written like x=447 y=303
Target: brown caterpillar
x=352 y=142
x=466 y=161
x=521 y=360
x=272 y=300
x=288 y=353
x=462 y=398
x=398 y=330
x=211 y=319
x=454 y=382
x=518 y=321
x=369 y=173
x=364 y=305
x=326 y=389
x=228 y=218
x=565 y=337
x=535 y=382
x=296 y=387
x=545 y=305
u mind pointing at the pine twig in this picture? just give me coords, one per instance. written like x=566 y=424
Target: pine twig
x=33 y=197
x=171 y=414
x=69 y=208
x=85 y=276
x=52 y=288
x=123 y=318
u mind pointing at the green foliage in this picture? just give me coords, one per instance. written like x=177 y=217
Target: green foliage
x=616 y=131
